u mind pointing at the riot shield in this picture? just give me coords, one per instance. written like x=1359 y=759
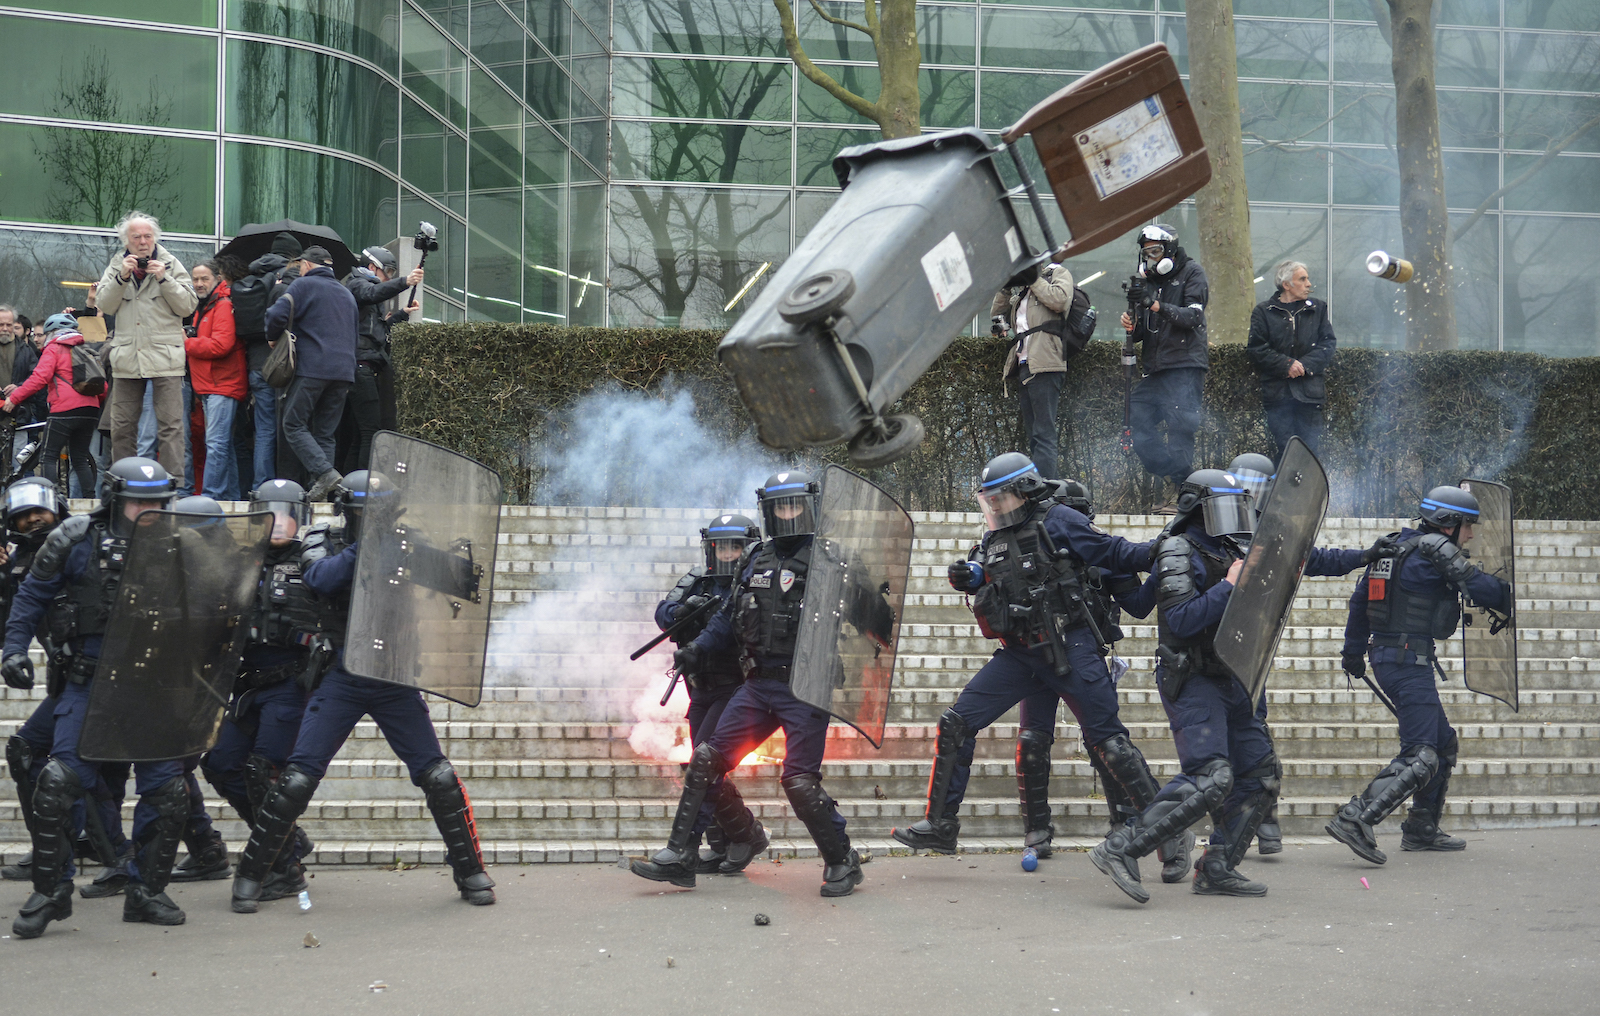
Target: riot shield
x=419 y=609
x=1489 y=637
x=854 y=600
x=1247 y=637
x=177 y=628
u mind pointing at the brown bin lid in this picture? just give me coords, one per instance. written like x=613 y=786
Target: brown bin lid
x=1119 y=146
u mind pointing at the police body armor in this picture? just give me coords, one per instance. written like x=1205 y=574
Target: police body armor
x=767 y=617
x=1392 y=609
x=1032 y=592
x=83 y=607
x=1183 y=658
x=719 y=669
x=1107 y=615
x=287 y=616
x=332 y=617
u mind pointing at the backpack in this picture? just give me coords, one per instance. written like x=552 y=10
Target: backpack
x=252 y=295
x=1081 y=319
x=88 y=368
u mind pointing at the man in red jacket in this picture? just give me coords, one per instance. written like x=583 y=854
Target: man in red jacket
x=217 y=371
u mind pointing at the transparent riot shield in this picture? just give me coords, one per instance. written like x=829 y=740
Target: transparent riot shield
x=419 y=610
x=1489 y=637
x=1252 y=624
x=854 y=599
x=173 y=642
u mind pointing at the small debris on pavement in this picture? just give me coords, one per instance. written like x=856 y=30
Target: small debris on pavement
x=377 y=986
x=762 y=920
x=671 y=962
x=311 y=941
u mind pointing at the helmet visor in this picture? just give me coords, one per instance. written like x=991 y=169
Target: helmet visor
x=789 y=516
x=26 y=497
x=723 y=553
x=1255 y=483
x=1003 y=507
x=1229 y=514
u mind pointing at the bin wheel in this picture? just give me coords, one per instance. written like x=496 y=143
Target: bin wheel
x=902 y=434
x=818 y=297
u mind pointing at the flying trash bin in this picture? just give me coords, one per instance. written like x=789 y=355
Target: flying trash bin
x=924 y=233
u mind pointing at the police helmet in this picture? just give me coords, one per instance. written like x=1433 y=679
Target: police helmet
x=1006 y=479
x=136 y=478
x=359 y=491
x=197 y=504
x=782 y=491
x=28 y=495
x=724 y=539
x=1160 y=262
x=282 y=497
x=383 y=257
x=1074 y=495
x=1255 y=471
x=1448 y=507
x=1223 y=501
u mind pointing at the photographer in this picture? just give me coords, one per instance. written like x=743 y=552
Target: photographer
x=1036 y=315
x=372 y=402
x=1291 y=346
x=149 y=292
x=1169 y=295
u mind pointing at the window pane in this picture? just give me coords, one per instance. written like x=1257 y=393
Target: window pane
x=549 y=20
x=1469 y=177
x=1284 y=112
x=816 y=147
x=809 y=208
x=1363 y=116
x=90 y=178
x=945 y=33
x=1469 y=12
x=110 y=75
x=1282 y=49
x=701 y=153
x=1365 y=176
x=547 y=86
x=264 y=182
x=714 y=241
x=1475 y=281
x=495 y=159
x=588 y=141
x=587 y=265
x=1367 y=311
x=1534 y=121
x=702 y=89
x=447 y=267
x=1565 y=184
x=1561 y=15
x=199 y=13
x=544 y=280
x=595 y=13
x=494 y=257
x=1116 y=5
x=733 y=27
x=358 y=27
x=331 y=101
x=1275 y=175
x=1466 y=58
x=452 y=16
x=1549 y=309
x=492 y=105
x=1285 y=234
x=1361 y=54
x=546 y=157
x=1277 y=8
x=435 y=70
x=1568 y=63
x=1064 y=41
x=1469 y=119
x=497 y=40
x=947 y=96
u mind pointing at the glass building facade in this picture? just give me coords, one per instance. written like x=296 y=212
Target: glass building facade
x=638 y=162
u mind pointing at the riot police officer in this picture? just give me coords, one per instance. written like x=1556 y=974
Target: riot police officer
x=1401 y=608
x=1028 y=577
x=762 y=618
x=1230 y=769
x=73 y=582
x=270 y=691
x=337 y=703
x=734 y=837
x=1255 y=473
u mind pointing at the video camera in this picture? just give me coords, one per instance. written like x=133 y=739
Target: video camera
x=1139 y=298
x=997 y=325
x=427 y=238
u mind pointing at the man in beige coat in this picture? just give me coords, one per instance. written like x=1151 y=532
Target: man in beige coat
x=1036 y=357
x=149 y=292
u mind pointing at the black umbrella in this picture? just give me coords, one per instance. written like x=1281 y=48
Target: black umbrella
x=255 y=240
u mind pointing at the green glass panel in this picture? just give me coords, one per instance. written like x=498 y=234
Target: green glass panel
x=1541 y=312
x=492 y=105
x=713 y=27
x=815 y=148
x=1475 y=279
x=1536 y=121
x=1289 y=234
x=1175 y=37
x=1367 y=312
x=110 y=75
x=1466 y=58
x=1560 y=15
x=1007 y=96
x=494 y=257
x=1061 y=40
x=1469 y=177
x=596 y=14
x=1273 y=174
x=548 y=86
x=361 y=28
x=494 y=159
x=434 y=69
x=589 y=141
x=1469 y=12
x=1469 y=119
x=1282 y=49
x=1553 y=62
x=196 y=13
x=546 y=157
x=715 y=240
x=90 y=178
x=701 y=89
x=1352 y=10
x=809 y=208
x=497 y=40
x=1276 y=8
x=452 y=16
x=1108 y=5
x=1272 y=112
x=701 y=153
x=1365 y=176
x=589 y=73
x=586 y=265
x=335 y=102
x=945 y=33
x=1361 y=54
x=551 y=22
x=264 y=182
x=544 y=244
x=1363 y=115
x=1565 y=184
x=947 y=96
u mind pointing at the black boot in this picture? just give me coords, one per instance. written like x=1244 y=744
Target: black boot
x=22 y=870
x=939 y=827
x=841 y=871
x=1420 y=831
x=207 y=860
x=1164 y=819
x=19 y=763
x=1348 y=828
x=112 y=880
x=41 y=909
x=709 y=861
x=1174 y=857
x=1033 y=791
x=1213 y=877
x=675 y=863
x=146 y=899
x=745 y=838
x=275 y=818
x=452 y=813
x=1269 y=835
x=51 y=900
x=1130 y=784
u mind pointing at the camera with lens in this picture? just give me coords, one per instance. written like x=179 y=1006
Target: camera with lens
x=997 y=325
x=143 y=263
x=427 y=238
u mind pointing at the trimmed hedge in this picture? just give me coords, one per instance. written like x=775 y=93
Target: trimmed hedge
x=1398 y=423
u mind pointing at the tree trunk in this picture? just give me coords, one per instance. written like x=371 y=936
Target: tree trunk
x=1424 y=222
x=899 y=61
x=1223 y=204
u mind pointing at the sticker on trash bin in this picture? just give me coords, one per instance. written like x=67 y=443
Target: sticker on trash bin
x=946 y=268
x=1122 y=150
x=1013 y=243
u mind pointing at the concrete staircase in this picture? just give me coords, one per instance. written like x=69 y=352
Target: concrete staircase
x=554 y=775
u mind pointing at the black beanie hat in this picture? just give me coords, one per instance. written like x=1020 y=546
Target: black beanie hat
x=285 y=245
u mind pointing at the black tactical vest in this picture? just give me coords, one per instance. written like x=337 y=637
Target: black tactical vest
x=83 y=607
x=333 y=614
x=287 y=614
x=1395 y=610
x=1028 y=585
x=1174 y=568
x=1107 y=615
x=695 y=582
x=766 y=618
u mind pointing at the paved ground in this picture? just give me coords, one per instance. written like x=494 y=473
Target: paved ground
x=1510 y=926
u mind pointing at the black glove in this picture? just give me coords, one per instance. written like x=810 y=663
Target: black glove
x=961 y=575
x=1384 y=546
x=691 y=605
x=17 y=671
x=1354 y=664
x=686 y=659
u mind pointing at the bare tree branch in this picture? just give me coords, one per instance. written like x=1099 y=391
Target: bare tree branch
x=1555 y=149
x=830 y=19
x=815 y=74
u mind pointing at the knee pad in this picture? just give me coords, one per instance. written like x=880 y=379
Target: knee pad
x=57 y=788
x=1425 y=761
x=171 y=800
x=1215 y=782
x=19 y=757
x=439 y=778
x=953 y=730
x=804 y=791
x=706 y=766
x=298 y=786
x=1033 y=752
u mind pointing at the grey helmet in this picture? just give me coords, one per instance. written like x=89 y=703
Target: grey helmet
x=1011 y=473
x=727 y=532
x=787 y=488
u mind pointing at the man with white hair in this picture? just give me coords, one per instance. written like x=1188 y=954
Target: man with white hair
x=1291 y=346
x=150 y=294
